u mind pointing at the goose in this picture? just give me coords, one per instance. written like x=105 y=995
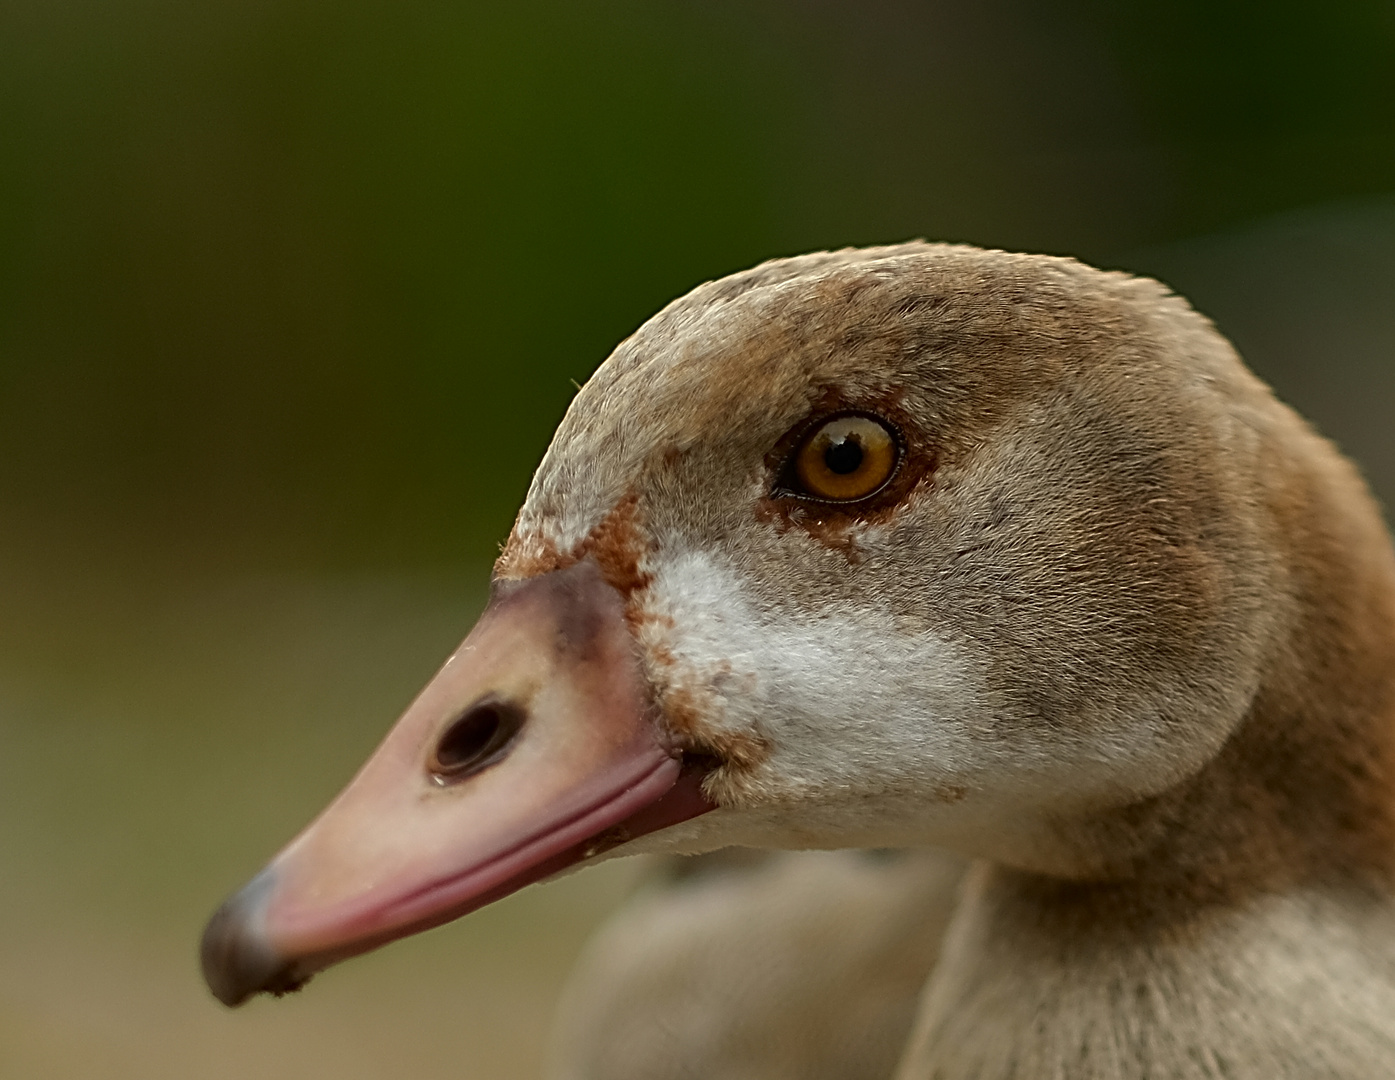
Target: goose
x=928 y=546
x=779 y=966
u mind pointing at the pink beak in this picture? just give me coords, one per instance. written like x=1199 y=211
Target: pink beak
x=534 y=748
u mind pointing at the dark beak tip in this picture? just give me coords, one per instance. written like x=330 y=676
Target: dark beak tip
x=237 y=960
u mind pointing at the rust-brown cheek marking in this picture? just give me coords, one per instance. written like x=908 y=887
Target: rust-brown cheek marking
x=686 y=708
x=618 y=545
x=523 y=559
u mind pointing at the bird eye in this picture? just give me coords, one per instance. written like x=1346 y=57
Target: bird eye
x=846 y=458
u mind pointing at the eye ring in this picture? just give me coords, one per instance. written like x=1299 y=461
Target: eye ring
x=845 y=458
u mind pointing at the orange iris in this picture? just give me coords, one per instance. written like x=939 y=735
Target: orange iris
x=846 y=459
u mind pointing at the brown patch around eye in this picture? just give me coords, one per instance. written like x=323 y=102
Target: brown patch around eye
x=845 y=459
x=831 y=508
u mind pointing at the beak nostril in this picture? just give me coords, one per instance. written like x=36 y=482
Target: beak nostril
x=480 y=737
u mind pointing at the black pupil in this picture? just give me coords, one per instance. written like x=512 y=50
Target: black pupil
x=844 y=456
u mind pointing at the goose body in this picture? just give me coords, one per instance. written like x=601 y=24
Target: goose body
x=781 y=966
x=930 y=546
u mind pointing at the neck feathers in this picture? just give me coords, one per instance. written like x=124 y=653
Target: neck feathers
x=1087 y=981
x=1242 y=925
x=1302 y=794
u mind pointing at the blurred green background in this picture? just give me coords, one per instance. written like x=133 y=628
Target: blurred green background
x=292 y=293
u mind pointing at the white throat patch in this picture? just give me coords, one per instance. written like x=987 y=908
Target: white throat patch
x=852 y=706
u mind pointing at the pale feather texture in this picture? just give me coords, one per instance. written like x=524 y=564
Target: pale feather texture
x=1122 y=628
x=795 y=966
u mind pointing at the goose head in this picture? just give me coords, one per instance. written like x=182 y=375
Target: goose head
x=910 y=545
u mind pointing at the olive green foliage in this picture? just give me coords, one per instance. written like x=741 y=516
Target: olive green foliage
x=306 y=283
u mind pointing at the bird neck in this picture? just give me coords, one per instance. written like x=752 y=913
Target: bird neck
x=1241 y=924
x=1044 y=978
x=1302 y=793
